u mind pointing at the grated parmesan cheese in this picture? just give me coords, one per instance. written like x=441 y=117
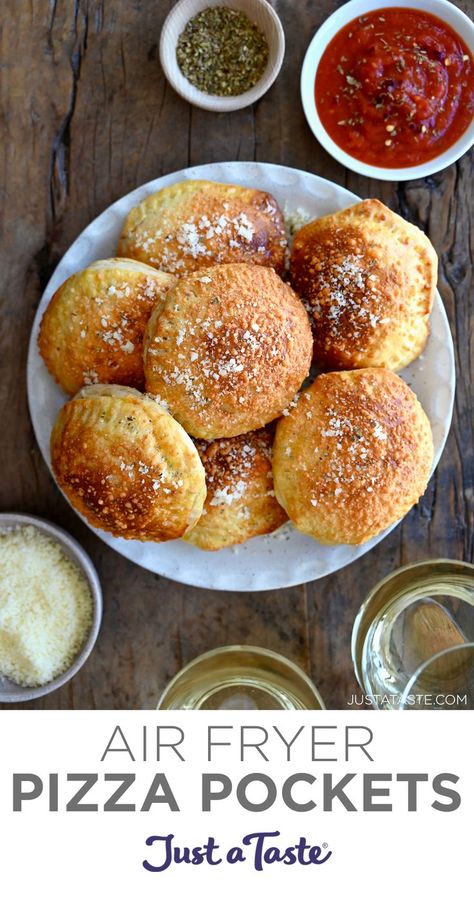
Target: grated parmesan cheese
x=45 y=607
x=294 y=220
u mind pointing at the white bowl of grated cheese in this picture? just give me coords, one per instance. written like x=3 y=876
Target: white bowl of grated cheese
x=50 y=607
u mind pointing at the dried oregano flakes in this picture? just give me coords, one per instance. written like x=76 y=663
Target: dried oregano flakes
x=222 y=52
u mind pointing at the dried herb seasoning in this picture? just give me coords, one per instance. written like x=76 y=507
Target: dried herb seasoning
x=222 y=52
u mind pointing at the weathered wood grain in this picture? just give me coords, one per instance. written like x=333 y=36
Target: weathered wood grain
x=86 y=116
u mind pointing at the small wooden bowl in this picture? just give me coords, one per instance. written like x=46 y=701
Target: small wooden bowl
x=260 y=13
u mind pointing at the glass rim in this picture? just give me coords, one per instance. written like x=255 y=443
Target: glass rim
x=252 y=649
x=453 y=649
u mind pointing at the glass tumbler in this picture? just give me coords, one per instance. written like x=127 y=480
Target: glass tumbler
x=444 y=682
x=241 y=677
x=412 y=641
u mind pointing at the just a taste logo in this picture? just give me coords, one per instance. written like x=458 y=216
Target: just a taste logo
x=259 y=848
x=303 y=785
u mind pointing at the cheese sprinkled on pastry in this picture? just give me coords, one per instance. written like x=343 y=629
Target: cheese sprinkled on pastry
x=194 y=224
x=368 y=280
x=92 y=330
x=228 y=349
x=240 y=499
x=126 y=465
x=352 y=456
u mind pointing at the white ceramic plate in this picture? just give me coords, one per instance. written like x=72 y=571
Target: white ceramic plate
x=284 y=558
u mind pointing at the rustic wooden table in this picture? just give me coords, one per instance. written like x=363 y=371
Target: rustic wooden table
x=87 y=116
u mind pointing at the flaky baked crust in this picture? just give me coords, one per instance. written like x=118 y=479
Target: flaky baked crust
x=228 y=349
x=368 y=280
x=126 y=465
x=352 y=456
x=92 y=330
x=240 y=500
x=194 y=224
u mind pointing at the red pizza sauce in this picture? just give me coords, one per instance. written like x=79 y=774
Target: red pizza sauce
x=395 y=87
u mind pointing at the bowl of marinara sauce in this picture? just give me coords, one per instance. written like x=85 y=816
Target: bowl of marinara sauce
x=388 y=88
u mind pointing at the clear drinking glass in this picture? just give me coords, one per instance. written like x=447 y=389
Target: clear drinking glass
x=415 y=630
x=444 y=682
x=241 y=677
